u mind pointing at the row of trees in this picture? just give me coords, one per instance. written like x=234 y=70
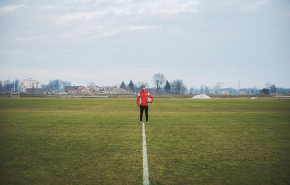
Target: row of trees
x=160 y=85
x=272 y=89
x=230 y=91
x=55 y=86
x=8 y=85
x=133 y=87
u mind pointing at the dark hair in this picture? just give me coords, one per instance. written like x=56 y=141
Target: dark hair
x=142 y=86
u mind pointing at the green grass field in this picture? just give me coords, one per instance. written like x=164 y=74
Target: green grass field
x=99 y=141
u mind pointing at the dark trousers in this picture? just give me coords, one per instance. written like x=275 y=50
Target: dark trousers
x=142 y=110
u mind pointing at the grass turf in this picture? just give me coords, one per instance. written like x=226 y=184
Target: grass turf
x=99 y=141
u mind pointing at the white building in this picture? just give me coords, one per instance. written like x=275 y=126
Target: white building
x=28 y=83
x=268 y=85
x=2 y=84
x=221 y=85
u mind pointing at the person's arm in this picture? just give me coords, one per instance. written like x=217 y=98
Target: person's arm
x=138 y=99
x=151 y=97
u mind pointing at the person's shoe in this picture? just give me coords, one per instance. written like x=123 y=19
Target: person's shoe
x=140 y=122
x=147 y=122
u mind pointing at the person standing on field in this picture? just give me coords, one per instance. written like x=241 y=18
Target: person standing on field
x=143 y=99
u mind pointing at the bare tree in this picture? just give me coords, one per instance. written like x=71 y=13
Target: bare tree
x=273 y=89
x=140 y=83
x=158 y=80
x=265 y=91
x=91 y=84
x=191 y=91
x=178 y=86
x=216 y=89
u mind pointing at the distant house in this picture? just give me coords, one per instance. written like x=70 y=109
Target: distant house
x=242 y=92
x=70 y=88
x=23 y=85
x=95 y=90
x=151 y=90
x=33 y=90
x=224 y=92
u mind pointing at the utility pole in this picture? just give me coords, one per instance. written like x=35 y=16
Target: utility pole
x=18 y=92
x=239 y=82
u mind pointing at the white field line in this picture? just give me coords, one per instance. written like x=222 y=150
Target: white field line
x=145 y=161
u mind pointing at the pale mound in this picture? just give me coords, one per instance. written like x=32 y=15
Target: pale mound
x=201 y=96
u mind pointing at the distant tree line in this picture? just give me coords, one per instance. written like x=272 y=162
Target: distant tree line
x=55 y=86
x=243 y=91
x=7 y=85
x=160 y=85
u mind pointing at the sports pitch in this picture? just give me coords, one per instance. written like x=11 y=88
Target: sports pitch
x=99 y=141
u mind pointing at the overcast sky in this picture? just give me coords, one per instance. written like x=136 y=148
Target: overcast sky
x=104 y=41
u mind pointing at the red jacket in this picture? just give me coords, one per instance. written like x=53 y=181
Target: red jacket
x=143 y=96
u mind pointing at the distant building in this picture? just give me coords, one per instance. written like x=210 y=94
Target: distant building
x=33 y=90
x=2 y=84
x=221 y=85
x=224 y=92
x=268 y=85
x=242 y=92
x=71 y=88
x=151 y=90
x=95 y=90
x=23 y=85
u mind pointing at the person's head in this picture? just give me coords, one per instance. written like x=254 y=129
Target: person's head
x=143 y=87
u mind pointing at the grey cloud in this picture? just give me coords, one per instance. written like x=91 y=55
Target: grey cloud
x=10 y=8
